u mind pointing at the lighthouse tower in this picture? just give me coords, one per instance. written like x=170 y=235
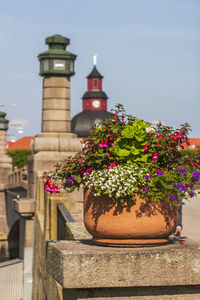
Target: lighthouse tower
x=94 y=105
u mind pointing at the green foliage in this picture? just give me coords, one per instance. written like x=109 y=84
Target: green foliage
x=191 y=157
x=188 y=152
x=19 y=157
x=129 y=146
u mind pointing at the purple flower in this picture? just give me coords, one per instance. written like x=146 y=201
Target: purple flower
x=148 y=176
x=171 y=197
x=195 y=175
x=181 y=171
x=191 y=194
x=145 y=188
x=160 y=173
x=70 y=178
x=180 y=186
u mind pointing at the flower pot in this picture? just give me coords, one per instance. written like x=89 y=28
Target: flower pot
x=137 y=224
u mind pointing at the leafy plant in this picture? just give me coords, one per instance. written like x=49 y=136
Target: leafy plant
x=19 y=157
x=127 y=156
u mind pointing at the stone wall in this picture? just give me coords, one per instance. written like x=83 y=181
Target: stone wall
x=44 y=285
x=86 y=271
x=76 y=269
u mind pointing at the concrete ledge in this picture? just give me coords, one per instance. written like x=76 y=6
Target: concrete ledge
x=81 y=264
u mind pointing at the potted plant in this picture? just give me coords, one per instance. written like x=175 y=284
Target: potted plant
x=132 y=173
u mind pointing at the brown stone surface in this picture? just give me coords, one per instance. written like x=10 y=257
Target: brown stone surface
x=76 y=231
x=56 y=126
x=56 y=82
x=54 y=103
x=24 y=207
x=56 y=115
x=2 y=142
x=54 y=92
x=81 y=264
x=44 y=285
x=57 y=145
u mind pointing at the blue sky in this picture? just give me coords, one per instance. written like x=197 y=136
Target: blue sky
x=148 y=52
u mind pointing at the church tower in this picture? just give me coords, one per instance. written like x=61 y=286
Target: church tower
x=94 y=105
x=95 y=98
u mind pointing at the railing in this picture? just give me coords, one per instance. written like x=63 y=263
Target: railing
x=18 y=176
x=11 y=280
x=67 y=227
x=64 y=217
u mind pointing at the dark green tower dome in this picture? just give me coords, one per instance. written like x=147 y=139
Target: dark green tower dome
x=57 y=60
x=3 y=121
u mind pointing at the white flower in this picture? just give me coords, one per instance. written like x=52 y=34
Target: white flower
x=149 y=129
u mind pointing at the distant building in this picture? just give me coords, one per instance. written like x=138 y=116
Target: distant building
x=94 y=106
x=23 y=143
x=194 y=144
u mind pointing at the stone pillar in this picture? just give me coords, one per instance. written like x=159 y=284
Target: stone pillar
x=5 y=170
x=5 y=160
x=26 y=209
x=56 y=142
x=3 y=140
x=56 y=105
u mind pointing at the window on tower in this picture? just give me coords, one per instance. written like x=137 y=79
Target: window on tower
x=95 y=82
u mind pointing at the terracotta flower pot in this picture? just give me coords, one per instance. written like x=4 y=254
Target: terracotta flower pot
x=140 y=223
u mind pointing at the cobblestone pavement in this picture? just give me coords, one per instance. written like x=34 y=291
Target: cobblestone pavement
x=191 y=218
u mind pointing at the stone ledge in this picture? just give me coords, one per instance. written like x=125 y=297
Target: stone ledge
x=81 y=264
x=26 y=208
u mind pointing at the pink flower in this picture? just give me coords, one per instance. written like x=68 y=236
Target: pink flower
x=159 y=135
x=115 y=116
x=115 y=164
x=52 y=188
x=155 y=157
x=178 y=136
x=145 y=148
x=88 y=171
x=103 y=144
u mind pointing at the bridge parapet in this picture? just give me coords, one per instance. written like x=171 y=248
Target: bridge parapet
x=18 y=176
